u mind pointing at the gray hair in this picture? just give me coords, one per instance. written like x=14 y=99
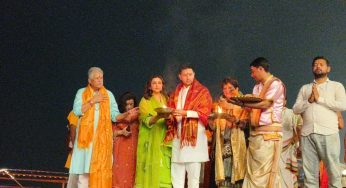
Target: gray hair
x=92 y=70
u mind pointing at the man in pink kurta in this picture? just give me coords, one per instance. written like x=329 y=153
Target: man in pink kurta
x=275 y=91
x=266 y=135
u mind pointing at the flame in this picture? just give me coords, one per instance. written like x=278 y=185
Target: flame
x=219 y=109
x=164 y=106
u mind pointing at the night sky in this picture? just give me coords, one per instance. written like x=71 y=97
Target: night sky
x=48 y=46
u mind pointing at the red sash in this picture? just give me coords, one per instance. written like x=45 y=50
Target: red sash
x=197 y=99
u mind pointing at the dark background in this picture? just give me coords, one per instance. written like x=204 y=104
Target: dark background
x=48 y=46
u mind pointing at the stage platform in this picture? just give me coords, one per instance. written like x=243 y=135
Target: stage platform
x=13 y=178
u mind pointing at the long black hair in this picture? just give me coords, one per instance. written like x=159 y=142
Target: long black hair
x=148 y=92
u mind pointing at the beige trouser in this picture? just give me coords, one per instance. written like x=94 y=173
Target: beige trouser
x=316 y=147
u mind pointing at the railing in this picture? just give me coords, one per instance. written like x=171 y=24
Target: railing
x=18 y=175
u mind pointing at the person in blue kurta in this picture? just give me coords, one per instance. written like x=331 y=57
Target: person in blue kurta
x=81 y=157
x=92 y=150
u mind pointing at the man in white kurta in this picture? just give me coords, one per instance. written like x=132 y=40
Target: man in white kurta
x=192 y=103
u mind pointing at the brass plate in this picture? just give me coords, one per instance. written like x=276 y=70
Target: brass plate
x=247 y=99
x=164 y=110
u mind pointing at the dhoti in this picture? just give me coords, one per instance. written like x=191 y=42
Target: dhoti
x=262 y=163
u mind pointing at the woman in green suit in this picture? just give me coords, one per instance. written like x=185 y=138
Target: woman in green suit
x=153 y=155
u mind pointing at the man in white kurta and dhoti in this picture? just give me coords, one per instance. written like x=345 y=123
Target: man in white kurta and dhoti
x=192 y=103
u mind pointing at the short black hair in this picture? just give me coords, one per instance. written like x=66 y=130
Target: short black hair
x=229 y=80
x=320 y=57
x=125 y=97
x=260 y=62
x=184 y=66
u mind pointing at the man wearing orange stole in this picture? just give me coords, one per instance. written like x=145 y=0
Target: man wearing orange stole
x=192 y=103
x=92 y=150
x=266 y=135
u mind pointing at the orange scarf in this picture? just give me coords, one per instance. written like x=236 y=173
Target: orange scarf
x=72 y=119
x=256 y=113
x=197 y=99
x=73 y=122
x=101 y=159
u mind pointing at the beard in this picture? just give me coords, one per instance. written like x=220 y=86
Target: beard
x=320 y=74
